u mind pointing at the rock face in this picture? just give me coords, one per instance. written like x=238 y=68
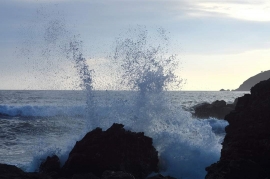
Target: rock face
x=246 y=86
x=246 y=147
x=114 y=149
x=217 y=109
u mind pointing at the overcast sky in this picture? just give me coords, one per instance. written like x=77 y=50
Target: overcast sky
x=219 y=43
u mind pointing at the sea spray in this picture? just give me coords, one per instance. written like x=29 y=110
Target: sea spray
x=186 y=145
x=86 y=84
x=182 y=142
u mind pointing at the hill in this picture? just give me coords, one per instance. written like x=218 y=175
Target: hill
x=252 y=81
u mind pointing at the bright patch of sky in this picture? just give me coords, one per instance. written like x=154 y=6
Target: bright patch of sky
x=245 y=10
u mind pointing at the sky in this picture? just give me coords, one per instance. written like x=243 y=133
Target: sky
x=218 y=43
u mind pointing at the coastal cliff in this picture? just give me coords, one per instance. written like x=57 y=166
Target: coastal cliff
x=246 y=147
x=246 y=86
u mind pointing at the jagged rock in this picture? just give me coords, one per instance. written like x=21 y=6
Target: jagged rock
x=217 y=109
x=114 y=149
x=246 y=147
x=50 y=166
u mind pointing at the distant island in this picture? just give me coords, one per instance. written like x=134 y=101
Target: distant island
x=224 y=90
x=252 y=81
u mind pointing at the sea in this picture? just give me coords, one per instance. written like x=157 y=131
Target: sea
x=35 y=124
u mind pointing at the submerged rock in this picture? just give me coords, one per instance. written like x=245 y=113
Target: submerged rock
x=114 y=149
x=217 y=109
x=246 y=147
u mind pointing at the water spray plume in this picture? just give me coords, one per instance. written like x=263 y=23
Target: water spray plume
x=146 y=68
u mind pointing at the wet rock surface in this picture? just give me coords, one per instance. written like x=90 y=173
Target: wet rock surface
x=217 y=109
x=246 y=147
x=114 y=149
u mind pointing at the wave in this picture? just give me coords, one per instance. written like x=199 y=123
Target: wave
x=41 y=111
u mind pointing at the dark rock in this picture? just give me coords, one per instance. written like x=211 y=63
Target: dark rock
x=224 y=90
x=246 y=86
x=12 y=172
x=85 y=176
x=159 y=176
x=114 y=149
x=50 y=166
x=116 y=175
x=246 y=147
x=218 y=109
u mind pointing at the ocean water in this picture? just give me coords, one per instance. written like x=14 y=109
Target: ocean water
x=35 y=124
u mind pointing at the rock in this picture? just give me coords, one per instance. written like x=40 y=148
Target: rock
x=159 y=176
x=116 y=175
x=218 y=109
x=12 y=172
x=246 y=86
x=50 y=166
x=114 y=149
x=224 y=90
x=85 y=176
x=246 y=147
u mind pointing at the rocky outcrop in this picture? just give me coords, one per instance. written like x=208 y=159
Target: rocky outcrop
x=114 y=149
x=246 y=86
x=112 y=154
x=217 y=109
x=12 y=172
x=51 y=166
x=246 y=147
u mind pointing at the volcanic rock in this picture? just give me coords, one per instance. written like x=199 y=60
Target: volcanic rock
x=13 y=172
x=246 y=147
x=217 y=109
x=51 y=166
x=114 y=149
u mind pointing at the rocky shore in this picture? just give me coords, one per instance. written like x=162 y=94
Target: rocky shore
x=217 y=109
x=246 y=148
x=112 y=154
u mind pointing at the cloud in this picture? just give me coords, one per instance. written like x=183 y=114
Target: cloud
x=250 y=11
